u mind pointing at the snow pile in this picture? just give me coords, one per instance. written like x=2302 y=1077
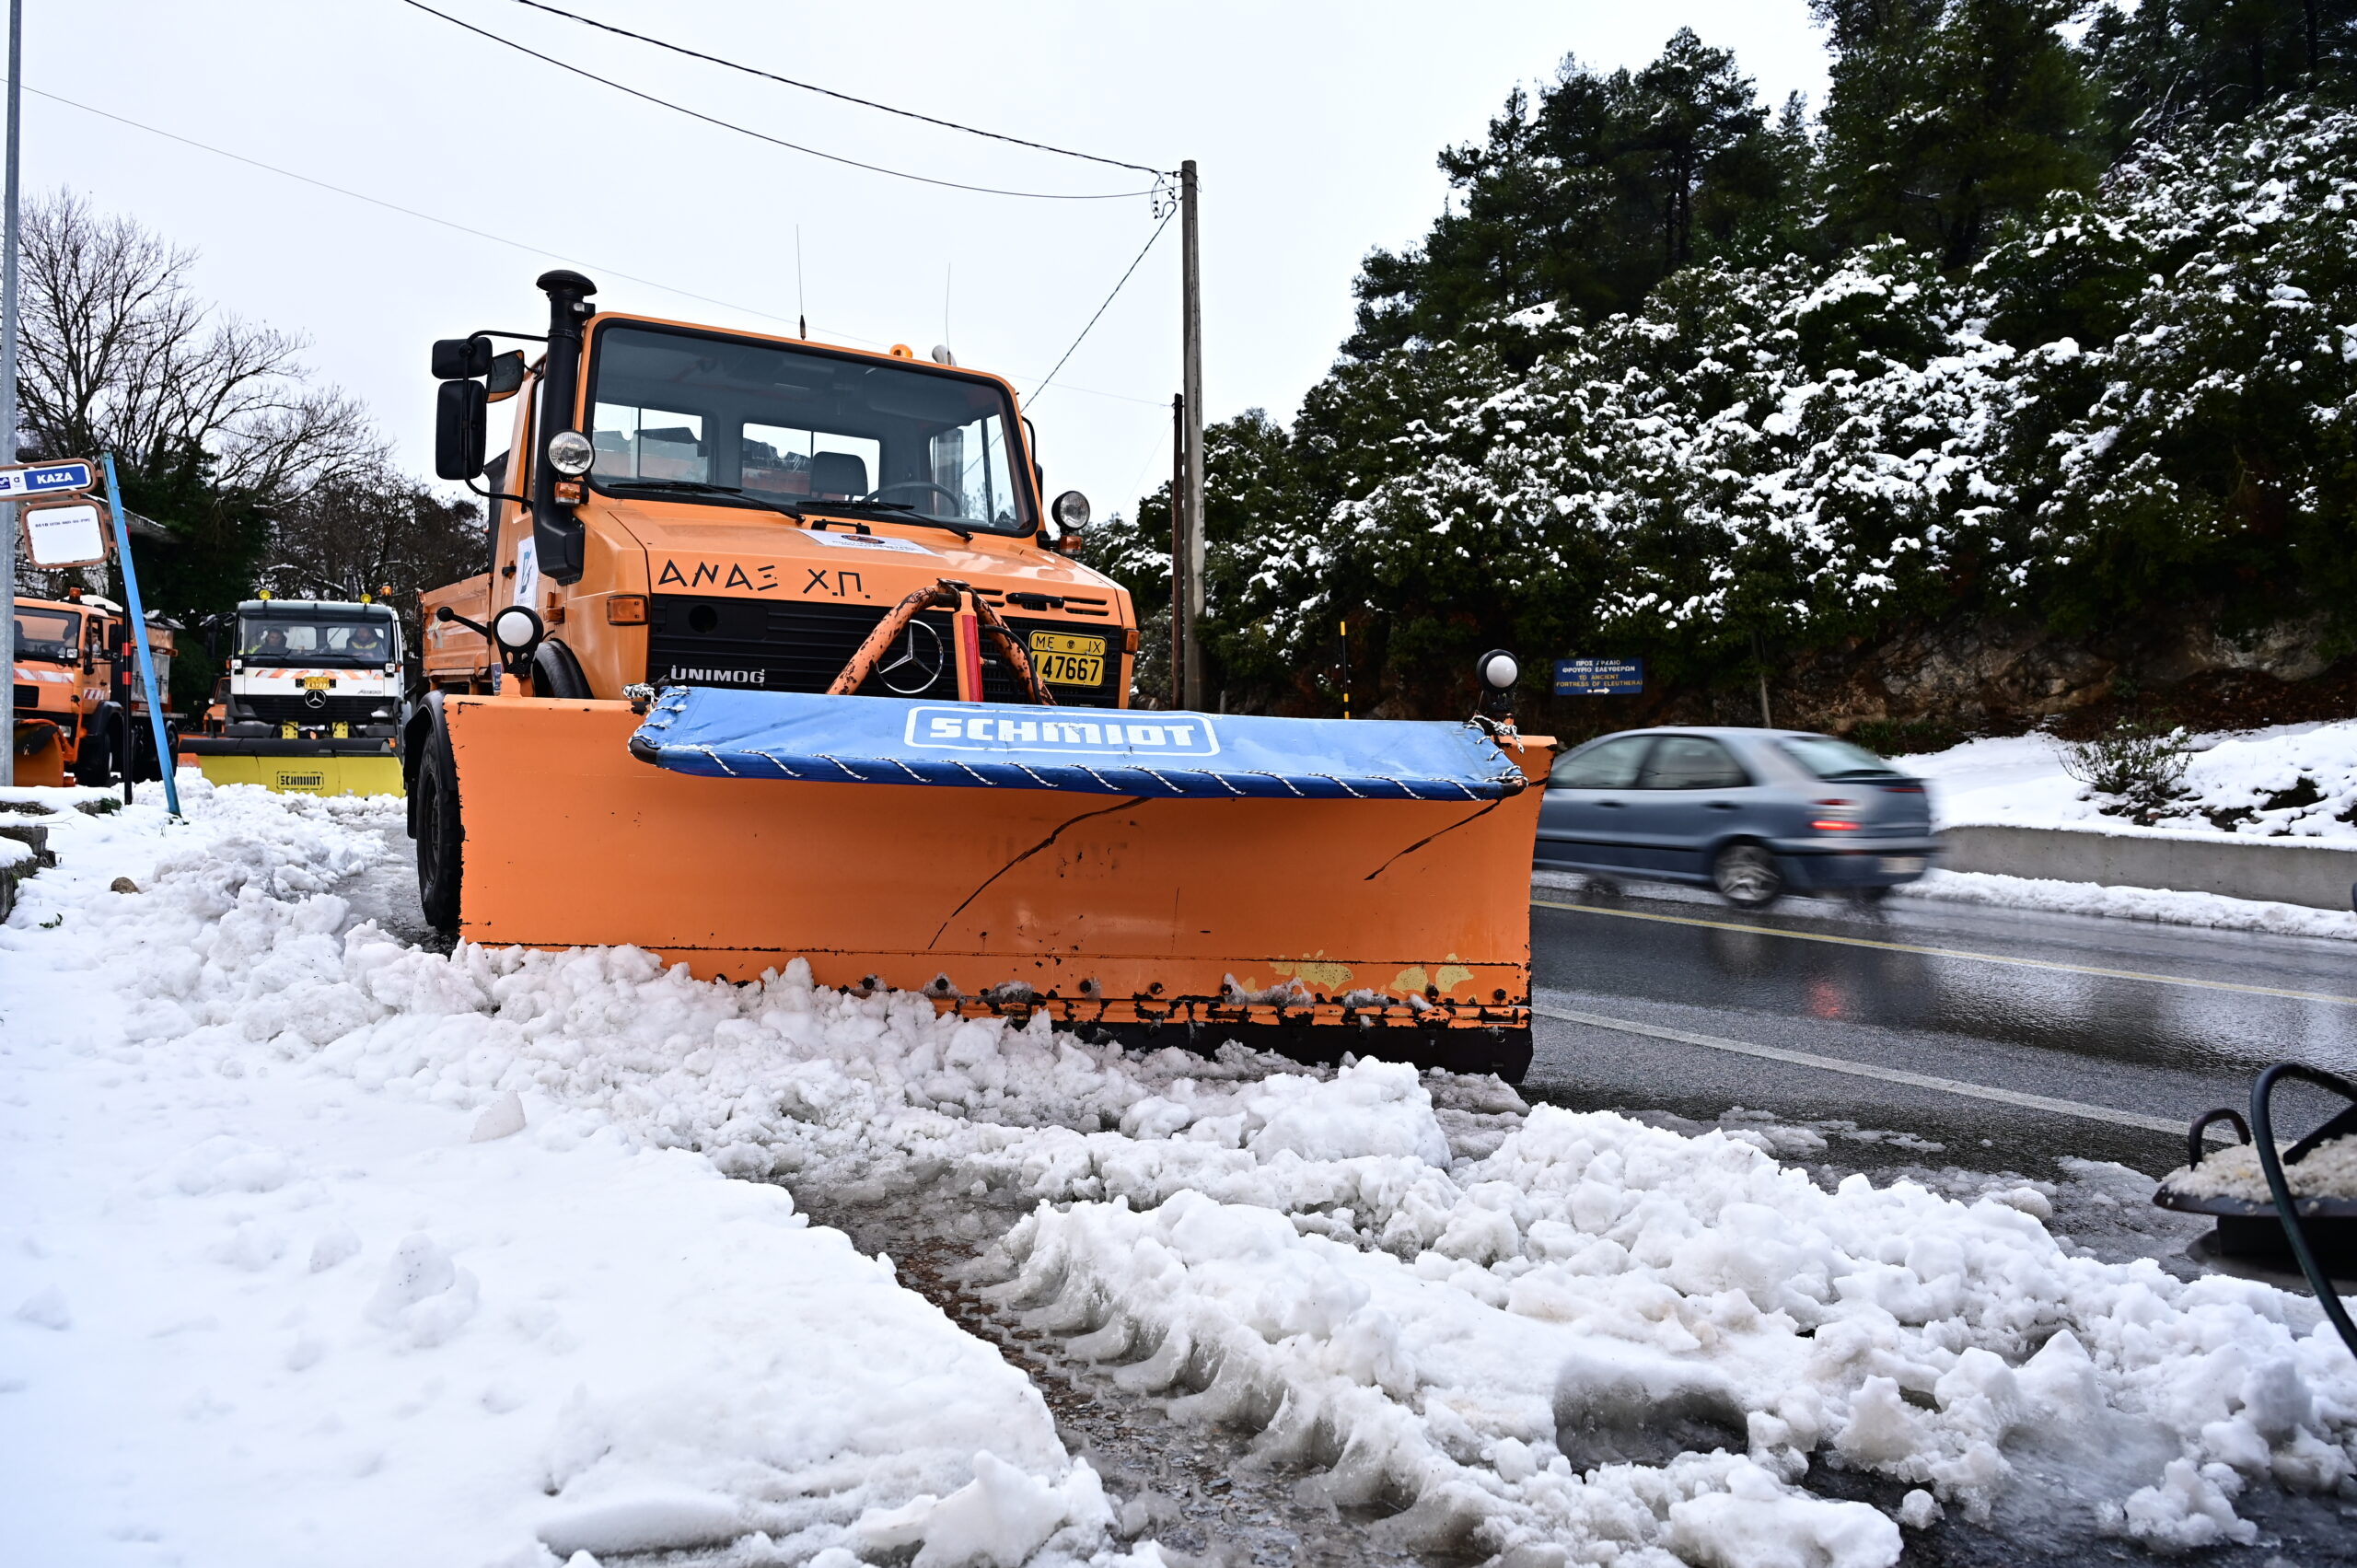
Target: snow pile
x=1574 y=1337
x=2161 y=905
x=1541 y=1327
x=2328 y=1171
x=2297 y=780
x=256 y=1313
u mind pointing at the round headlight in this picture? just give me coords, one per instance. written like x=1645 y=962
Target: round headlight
x=1500 y=670
x=1070 y=510
x=516 y=627
x=570 y=452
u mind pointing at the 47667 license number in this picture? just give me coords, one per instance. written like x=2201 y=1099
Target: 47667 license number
x=1065 y=659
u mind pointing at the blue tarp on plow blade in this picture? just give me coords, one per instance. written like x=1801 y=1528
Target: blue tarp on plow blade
x=779 y=735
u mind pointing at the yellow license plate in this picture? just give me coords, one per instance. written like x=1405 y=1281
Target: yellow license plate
x=1064 y=659
x=319 y=683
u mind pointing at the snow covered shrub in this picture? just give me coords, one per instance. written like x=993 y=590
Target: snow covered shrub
x=2185 y=425
x=2139 y=766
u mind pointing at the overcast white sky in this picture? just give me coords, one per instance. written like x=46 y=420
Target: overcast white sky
x=1314 y=123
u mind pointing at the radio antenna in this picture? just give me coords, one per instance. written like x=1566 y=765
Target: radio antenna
x=801 y=302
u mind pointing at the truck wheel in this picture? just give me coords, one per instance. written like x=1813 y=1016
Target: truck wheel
x=556 y=673
x=144 y=766
x=94 y=758
x=1747 y=877
x=439 y=832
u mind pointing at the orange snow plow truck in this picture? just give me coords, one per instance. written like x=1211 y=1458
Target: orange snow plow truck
x=81 y=712
x=779 y=655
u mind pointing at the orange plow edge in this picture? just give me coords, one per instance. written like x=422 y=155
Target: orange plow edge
x=1393 y=928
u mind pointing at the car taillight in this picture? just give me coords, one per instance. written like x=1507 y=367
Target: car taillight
x=1835 y=816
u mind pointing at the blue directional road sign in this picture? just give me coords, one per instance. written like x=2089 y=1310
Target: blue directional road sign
x=1599 y=678
x=44 y=479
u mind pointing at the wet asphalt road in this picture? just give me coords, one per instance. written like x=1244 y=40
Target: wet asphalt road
x=1912 y=985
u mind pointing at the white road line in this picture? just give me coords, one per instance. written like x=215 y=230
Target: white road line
x=1864 y=1070
x=1952 y=953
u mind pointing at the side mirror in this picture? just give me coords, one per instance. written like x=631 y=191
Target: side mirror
x=458 y=359
x=458 y=430
x=506 y=376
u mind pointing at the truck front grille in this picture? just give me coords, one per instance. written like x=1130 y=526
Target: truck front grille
x=328 y=708
x=794 y=646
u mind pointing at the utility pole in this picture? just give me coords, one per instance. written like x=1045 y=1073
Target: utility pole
x=8 y=407
x=1759 y=666
x=1189 y=677
x=1179 y=551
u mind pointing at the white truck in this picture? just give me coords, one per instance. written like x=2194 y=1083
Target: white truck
x=310 y=700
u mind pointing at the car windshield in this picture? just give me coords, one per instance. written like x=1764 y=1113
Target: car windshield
x=734 y=420
x=292 y=638
x=50 y=635
x=1831 y=759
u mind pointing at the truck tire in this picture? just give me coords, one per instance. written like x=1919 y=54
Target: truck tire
x=556 y=673
x=440 y=833
x=142 y=767
x=94 y=758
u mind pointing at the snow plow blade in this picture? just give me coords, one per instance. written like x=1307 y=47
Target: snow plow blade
x=297 y=767
x=1308 y=886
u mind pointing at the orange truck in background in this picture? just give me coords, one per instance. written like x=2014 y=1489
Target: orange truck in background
x=80 y=714
x=682 y=511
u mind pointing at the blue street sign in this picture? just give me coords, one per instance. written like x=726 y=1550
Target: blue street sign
x=1599 y=678
x=44 y=479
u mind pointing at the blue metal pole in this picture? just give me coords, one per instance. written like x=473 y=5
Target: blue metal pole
x=166 y=763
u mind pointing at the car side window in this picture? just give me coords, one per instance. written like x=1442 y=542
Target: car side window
x=1692 y=761
x=1609 y=765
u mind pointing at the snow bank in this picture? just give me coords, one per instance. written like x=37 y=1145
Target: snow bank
x=1568 y=1338
x=257 y=1313
x=2160 y=905
x=2297 y=780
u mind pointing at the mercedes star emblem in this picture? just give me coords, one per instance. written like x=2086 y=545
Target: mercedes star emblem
x=913 y=660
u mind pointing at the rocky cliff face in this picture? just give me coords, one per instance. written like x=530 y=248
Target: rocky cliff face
x=1930 y=684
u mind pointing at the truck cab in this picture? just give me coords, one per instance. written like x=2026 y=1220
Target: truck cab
x=724 y=508
x=79 y=710
x=312 y=669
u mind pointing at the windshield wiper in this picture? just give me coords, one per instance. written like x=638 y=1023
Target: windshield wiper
x=901 y=508
x=698 y=487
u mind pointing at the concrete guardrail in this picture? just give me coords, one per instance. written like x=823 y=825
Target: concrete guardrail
x=2316 y=874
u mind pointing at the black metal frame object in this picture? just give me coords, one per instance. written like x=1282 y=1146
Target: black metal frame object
x=2263 y=1127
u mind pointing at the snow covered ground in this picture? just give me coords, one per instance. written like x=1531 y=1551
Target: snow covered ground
x=324 y=1248
x=2020 y=781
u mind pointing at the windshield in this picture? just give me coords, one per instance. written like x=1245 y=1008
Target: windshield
x=288 y=637
x=1831 y=759
x=783 y=426
x=50 y=634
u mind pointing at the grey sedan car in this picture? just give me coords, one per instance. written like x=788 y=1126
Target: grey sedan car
x=1751 y=812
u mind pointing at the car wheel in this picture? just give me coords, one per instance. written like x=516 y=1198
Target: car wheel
x=440 y=833
x=1747 y=877
x=1872 y=895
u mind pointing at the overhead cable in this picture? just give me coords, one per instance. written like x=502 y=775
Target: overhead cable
x=483 y=234
x=830 y=92
x=765 y=136
x=1107 y=306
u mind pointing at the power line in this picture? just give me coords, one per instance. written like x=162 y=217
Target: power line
x=484 y=234
x=763 y=135
x=830 y=92
x=1107 y=306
